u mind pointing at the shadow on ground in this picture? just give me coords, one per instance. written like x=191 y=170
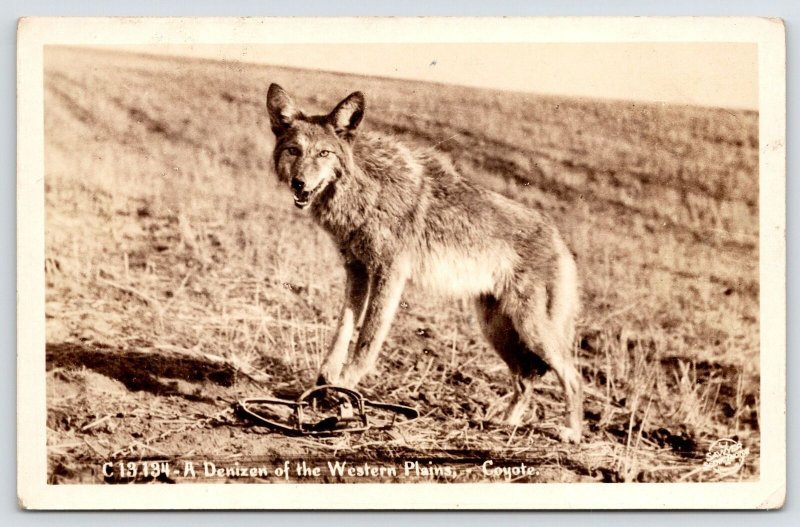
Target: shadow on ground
x=147 y=371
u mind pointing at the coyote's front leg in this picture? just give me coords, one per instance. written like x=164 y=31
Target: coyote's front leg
x=356 y=292
x=386 y=287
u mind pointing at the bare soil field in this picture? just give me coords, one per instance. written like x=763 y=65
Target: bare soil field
x=180 y=277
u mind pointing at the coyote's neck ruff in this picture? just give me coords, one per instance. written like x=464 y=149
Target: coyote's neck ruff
x=399 y=212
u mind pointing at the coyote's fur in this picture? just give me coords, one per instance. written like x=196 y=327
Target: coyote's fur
x=399 y=212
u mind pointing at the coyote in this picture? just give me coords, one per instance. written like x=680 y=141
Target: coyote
x=399 y=212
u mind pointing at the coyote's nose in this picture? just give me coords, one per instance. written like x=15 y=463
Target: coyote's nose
x=297 y=185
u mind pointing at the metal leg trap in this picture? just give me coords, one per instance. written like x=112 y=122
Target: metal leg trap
x=324 y=411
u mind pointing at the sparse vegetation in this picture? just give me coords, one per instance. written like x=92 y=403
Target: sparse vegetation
x=174 y=263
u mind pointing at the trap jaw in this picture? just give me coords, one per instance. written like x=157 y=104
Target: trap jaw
x=351 y=407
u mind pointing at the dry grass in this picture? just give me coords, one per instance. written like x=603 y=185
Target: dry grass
x=171 y=253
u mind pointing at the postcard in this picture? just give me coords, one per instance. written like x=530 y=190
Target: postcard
x=401 y=263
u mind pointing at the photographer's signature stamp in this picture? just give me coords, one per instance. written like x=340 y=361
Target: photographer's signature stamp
x=725 y=456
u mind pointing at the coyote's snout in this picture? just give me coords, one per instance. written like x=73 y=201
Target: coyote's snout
x=400 y=212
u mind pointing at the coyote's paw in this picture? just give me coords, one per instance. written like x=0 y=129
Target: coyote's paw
x=349 y=379
x=329 y=376
x=569 y=435
x=512 y=418
x=323 y=380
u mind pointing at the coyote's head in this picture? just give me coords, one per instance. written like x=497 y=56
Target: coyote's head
x=311 y=152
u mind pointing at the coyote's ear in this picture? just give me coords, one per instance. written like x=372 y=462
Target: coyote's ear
x=347 y=115
x=282 y=110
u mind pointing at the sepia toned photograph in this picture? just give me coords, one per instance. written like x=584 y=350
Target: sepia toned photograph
x=453 y=263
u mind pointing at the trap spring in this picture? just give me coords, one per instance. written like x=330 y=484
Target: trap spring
x=352 y=412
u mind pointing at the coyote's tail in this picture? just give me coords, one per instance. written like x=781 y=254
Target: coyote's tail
x=566 y=295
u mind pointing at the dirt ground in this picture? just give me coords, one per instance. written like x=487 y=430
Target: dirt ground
x=180 y=279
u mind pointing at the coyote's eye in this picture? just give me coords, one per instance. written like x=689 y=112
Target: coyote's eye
x=324 y=153
x=293 y=151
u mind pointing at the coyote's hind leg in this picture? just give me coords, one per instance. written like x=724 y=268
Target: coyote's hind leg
x=539 y=332
x=525 y=365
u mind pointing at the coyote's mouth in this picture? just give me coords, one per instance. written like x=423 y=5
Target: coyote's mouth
x=302 y=198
